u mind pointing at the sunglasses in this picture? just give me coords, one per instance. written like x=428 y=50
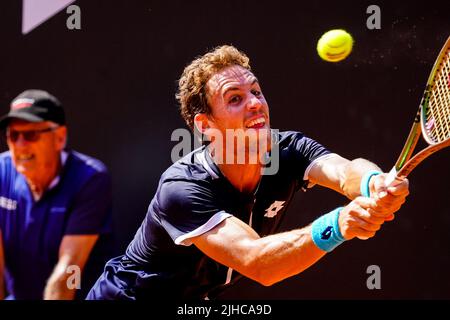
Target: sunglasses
x=29 y=135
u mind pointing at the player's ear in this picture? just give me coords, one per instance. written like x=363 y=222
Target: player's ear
x=201 y=122
x=205 y=127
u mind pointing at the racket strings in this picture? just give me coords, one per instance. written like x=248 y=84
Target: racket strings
x=438 y=111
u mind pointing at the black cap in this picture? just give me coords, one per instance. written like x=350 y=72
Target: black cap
x=35 y=106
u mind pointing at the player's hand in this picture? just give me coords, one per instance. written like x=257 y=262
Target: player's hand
x=389 y=199
x=360 y=218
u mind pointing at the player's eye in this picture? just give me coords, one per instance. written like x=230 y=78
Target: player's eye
x=256 y=93
x=235 y=99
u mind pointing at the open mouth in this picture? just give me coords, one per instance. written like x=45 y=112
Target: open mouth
x=256 y=123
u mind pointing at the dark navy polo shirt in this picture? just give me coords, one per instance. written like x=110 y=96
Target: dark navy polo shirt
x=192 y=198
x=79 y=204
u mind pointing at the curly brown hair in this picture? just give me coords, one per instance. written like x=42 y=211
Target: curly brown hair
x=192 y=95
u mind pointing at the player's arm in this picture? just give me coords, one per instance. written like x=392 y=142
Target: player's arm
x=73 y=252
x=273 y=258
x=344 y=176
x=2 y=269
x=341 y=175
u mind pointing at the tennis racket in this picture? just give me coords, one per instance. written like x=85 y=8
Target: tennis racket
x=432 y=119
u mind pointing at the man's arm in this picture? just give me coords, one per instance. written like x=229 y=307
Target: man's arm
x=344 y=176
x=276 y=257
x=2 y=269
x=89 y=218
x=73 y=251
x=341 y=175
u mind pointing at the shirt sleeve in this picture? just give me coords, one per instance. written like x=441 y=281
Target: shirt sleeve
x=188 y=209
x=91 y=212
x=305 y=152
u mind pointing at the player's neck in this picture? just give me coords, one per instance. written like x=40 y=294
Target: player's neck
x=244 y=177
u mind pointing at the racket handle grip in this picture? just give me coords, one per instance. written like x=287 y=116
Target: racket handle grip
x=392 y=175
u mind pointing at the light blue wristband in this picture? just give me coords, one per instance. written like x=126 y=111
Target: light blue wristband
x=364 y=186
x=325 y=231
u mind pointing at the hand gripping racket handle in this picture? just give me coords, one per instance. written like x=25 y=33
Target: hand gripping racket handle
x=390 y=178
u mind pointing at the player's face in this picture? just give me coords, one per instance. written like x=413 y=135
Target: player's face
x=239 y=112
x=35 y=148
x=236 y=100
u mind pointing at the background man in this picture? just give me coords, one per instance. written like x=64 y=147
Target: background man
x=55 y=205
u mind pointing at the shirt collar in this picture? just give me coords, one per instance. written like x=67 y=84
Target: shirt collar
x=205 y=158
x=55 y=180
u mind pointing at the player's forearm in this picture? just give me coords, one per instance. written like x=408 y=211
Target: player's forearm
x=277 y=257
x=353 y=172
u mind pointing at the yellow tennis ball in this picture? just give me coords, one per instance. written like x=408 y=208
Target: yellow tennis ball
x=335 y=45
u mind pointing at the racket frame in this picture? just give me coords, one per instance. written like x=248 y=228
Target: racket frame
x=405 y=164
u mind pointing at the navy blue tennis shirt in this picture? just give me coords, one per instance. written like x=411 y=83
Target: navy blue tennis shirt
x=192 y=198
x=78 y=202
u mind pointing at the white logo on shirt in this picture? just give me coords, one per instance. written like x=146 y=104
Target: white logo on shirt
x=8 y=204
x=274 y=208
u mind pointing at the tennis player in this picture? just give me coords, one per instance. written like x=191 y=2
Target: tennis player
x=212 y=222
